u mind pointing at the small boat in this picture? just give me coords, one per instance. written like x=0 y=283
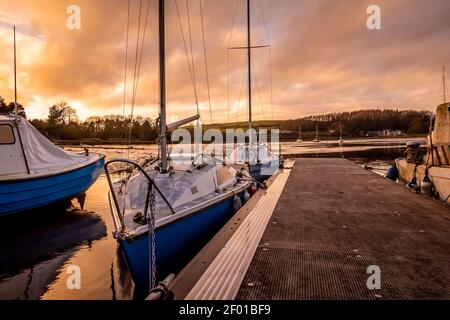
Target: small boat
x=317 y=140
x=34 y=172
x=299 y=140
x=167 y=209
x=429 y=171
x=258 y=158
x=341 y=140
x=417 y=169
x=262 y=163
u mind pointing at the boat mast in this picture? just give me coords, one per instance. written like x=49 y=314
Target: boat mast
x=15 y=76
x=15 y=106
x=162 y=88
x=249 y=57
x=443 y=83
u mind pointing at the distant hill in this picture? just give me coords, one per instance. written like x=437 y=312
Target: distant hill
x=354 y=123
x=62 y=123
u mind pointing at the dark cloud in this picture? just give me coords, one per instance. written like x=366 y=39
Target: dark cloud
x=323 y=56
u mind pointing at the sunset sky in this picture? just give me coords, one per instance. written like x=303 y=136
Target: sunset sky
x=324 y=59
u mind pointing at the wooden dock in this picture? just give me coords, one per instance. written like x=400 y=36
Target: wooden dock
x=314 y=233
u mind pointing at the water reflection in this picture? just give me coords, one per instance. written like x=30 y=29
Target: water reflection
x=40 y=245
x=37 y=247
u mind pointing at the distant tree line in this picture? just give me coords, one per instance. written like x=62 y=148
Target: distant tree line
x=11 y=107
x=360 y=122
x=62 y=123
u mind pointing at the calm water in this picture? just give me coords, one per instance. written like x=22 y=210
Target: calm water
x=39 y=247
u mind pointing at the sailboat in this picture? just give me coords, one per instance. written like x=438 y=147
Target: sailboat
x=34 y=172
x=261 y=161
x=164 y=211
x=431 y=173
x=341 y=140
x=317 y=140
x=299 y=140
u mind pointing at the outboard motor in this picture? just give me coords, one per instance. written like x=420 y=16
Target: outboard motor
x=413 y=153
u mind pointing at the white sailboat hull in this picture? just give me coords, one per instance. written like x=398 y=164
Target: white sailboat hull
x=440 y=176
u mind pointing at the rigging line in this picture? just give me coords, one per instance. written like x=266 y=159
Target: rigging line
x=133 y=94
x=264 y=21
x=186 y=50
x=137 y=66
x=126 y=62
x=240 y=95
x=125 y=73
x=192 y=54
x=228 y=53
x=271 y=80
x=141 y=52
x=228 y=84
x=258 y=89
x=206 y=62
x=134 y=78
x=270 y=56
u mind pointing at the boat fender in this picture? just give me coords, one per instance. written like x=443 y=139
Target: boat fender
x=281 y=162
x=162 y=291
x=246 y=196
x=426 y=187
x=253 y=189
x=237 y=203
x=392 y=173
x=412 y=185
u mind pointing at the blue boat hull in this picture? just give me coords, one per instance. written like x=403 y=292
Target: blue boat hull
x=27 y=194
x=176 y=243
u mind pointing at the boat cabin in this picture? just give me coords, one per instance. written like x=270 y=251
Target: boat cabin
x=26 y=153
x=12 y=159
x=441 y=136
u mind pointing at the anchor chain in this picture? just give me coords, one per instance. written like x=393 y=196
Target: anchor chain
x=151 y=230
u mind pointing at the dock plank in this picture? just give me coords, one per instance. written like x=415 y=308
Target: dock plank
x=332 y=221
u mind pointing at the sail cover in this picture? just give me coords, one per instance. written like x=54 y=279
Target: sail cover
x=41 y=154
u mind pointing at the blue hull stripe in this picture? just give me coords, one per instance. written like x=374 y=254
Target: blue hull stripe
x=25 y=195
x=175 y=242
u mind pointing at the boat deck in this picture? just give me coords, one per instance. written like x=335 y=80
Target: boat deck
x=314 y=233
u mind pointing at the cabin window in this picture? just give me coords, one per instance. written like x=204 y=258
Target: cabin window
x=7 y=134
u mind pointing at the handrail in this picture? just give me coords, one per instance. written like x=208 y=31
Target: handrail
x=141 y=169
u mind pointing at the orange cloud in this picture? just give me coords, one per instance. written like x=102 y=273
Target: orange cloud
x=324 y=59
